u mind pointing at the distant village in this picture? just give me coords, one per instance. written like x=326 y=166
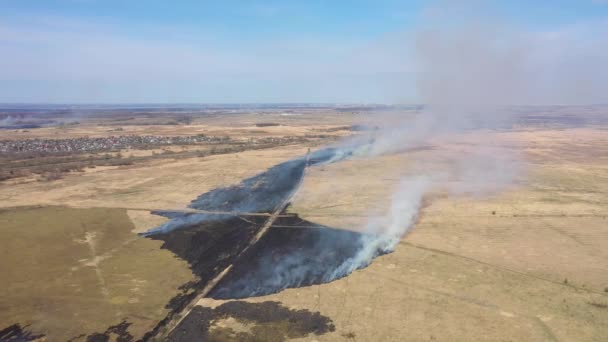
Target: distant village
x=100 y=144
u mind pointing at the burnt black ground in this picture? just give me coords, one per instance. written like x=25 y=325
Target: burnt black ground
x=17 y=333
x=261 y=193
x=118 y=333
x=283 y=258
x=267 y=321
x=209 y=247
x=288 y=258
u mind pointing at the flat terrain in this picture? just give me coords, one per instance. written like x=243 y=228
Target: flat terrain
x=528 y=261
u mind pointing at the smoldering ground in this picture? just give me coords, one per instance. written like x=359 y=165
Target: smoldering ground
x=293 y=252
x=296 y=254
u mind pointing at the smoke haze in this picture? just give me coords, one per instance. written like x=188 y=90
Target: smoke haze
x=472 y=67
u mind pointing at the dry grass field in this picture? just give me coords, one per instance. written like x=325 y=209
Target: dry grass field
x=69 y=271
x=528 y=262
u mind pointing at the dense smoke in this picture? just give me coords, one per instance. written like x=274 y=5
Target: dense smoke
x=470 y=76
x=473 y=68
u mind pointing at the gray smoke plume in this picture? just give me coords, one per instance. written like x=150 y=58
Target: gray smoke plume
x=386 y=232
x=473 y=68
x=7 y=121
x=471 y=73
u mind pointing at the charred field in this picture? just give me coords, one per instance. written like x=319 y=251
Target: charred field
x=246 y=253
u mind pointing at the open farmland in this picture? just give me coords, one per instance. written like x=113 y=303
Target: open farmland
x=525 y=263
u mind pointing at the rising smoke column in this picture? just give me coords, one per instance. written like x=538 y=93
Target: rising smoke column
x=473 y=66
x=468 y=74
x=405 y=205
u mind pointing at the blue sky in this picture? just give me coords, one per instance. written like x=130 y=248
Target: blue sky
x=93 y=51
